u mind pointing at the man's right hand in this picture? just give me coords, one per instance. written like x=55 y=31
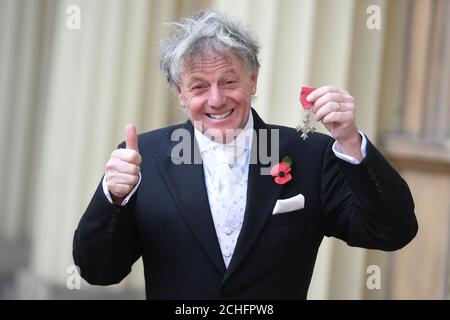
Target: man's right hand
x=122 y=169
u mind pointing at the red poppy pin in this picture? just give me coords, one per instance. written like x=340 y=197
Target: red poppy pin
x=281 y=171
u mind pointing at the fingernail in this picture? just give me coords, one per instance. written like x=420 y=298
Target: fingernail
x=309 y=98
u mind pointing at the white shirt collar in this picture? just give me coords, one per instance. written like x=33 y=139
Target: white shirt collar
x=243 y=139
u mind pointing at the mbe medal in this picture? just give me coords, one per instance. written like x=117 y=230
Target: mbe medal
x=307 y=123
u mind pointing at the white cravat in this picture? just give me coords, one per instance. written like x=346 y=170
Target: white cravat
x=227 y=188
x=226 y=174
x=224 y=180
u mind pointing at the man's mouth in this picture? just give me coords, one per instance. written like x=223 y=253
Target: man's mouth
x=220 y=116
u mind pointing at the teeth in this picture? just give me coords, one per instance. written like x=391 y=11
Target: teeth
x=220 y=116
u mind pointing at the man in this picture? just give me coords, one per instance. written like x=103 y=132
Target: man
x=220 y=228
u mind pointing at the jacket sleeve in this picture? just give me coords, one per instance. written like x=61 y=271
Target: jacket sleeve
x=367 y=205
x=106 y=243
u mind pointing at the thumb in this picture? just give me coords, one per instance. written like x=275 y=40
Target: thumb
x=131 y=138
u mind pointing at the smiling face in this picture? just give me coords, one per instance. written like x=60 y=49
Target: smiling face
x=216 y=93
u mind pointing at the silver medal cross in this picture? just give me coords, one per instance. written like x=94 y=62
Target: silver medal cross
x=307 y=125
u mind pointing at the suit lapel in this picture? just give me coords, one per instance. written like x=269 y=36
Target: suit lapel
x=262 y=193
x=187 y=184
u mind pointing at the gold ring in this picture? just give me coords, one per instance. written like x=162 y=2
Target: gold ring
x=339 y=107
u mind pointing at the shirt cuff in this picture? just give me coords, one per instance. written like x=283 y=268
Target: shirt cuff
x=125 y=201
x=339 y=153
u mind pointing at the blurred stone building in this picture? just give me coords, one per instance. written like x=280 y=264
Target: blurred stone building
x=66 y=93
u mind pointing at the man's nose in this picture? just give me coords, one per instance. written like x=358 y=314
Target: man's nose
x=216 y=98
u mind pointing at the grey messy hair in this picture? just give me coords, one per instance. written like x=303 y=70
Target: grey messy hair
x=191 y=36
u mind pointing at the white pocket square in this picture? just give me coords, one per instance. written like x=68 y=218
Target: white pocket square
x=290 y=204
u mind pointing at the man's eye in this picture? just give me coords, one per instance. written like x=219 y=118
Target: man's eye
x=198 y=87
x=228 y=82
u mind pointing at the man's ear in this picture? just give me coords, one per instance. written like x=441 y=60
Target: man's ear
x=180 y=97
x=254 y=78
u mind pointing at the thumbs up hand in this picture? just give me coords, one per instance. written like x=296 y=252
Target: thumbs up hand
x=131 y=138
x=122 y=168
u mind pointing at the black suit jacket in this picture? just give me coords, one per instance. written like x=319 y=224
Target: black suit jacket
x=168 y=221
